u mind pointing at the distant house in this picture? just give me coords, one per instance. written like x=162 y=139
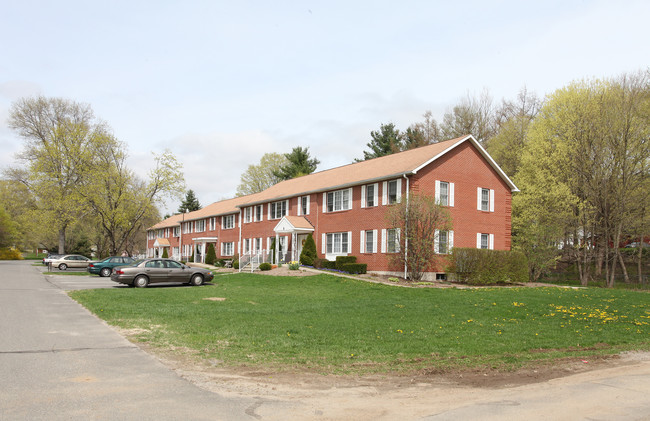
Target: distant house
x=344 y=209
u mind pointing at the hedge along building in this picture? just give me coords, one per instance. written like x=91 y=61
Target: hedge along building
x=344 y=208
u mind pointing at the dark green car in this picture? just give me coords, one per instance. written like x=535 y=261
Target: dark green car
x=105 y=267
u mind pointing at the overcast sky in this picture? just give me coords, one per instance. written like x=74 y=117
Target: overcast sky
x=221 y=83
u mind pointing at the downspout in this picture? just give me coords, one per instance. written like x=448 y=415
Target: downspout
x=406 y=226
x=239 y=245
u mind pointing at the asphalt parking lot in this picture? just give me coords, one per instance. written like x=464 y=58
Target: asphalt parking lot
x=72 y=279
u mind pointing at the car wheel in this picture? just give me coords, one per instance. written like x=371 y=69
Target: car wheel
x=196 y=280
x=63 y=266
x=105 y=272
x=141 y=281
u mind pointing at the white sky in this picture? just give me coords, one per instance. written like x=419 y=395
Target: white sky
x=221 y=83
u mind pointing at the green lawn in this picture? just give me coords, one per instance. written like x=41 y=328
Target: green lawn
x=331 y=324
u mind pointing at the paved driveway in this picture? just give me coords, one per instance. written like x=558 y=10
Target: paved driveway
x=58 y=362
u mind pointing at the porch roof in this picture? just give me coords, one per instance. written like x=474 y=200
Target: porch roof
x=297 y=224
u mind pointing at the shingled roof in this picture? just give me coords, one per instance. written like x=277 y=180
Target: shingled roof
x=373 y=170
x=382 y=168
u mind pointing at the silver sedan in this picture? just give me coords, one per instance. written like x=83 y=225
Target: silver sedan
x=149 y=271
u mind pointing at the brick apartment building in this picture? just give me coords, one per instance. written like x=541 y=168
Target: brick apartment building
x=344 y=209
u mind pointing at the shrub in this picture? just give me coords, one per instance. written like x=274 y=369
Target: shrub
x=326 y=264
x=165 y=255
x=235 y=264
x=10 y=254
x=308 y=254
x=488 y=267
x=265 y=266
x=318 y=262
x=342 y=260
x=210 y=255
x=294 y=265
x=354 y=267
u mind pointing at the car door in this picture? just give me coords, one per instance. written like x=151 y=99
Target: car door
x=177 y=272
x=74 y=261
x=156 y=271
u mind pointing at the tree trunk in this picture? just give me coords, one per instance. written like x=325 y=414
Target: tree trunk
x=62 y=240
x=622 y=262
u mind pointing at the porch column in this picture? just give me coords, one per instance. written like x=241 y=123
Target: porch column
x=277 y=248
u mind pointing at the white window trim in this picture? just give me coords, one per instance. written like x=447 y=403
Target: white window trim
x=286 y=208
x=479 y=199
x=341 y=253
x=255 y=213
x=384 y=241
x=450 y=241
x=300 y=205
x=362 y=245
x=384 y=192
x=490 y=240
x=325 y=204
x=375 y=195
x=227 y=226
x=450 y=192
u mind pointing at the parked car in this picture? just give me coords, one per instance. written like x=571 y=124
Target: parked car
x=636 y=244
x=105 y=267
x=70 y=261
x=51 y=256
x=144 y=272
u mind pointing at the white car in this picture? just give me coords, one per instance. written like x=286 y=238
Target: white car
x=70 y=261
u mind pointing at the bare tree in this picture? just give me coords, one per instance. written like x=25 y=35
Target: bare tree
x=419 y=220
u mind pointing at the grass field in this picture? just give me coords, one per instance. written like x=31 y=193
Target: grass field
x=329 y=324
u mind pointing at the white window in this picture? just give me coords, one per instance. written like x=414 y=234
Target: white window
x=390 y=240
x=444 y=241
x=175 y=252
x=391 y=192
x=485 y=199
x=368 y=241
x=187 y=228
x=369 y=195
x=248 y=215
x=303 y=205
x=259 y=213
x=228 y=222
x=444 y=193
x=247 y=245
x=177 y=232
x=338 y=200
x=200 y=225
x=485 y=241
x=212 y=223
x=278 y=209
x=337 y=243
x=227 y=249
x=258 y=245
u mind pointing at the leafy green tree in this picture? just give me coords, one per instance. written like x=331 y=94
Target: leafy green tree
x=419 y=221
x=308 y=253
x=587 y=160
x=299 y=163
x=210 y=255
x=514 y=120
x=7 y=228
x=60 y=143
x=190 y=203
x=387 y=140
x=260 y=177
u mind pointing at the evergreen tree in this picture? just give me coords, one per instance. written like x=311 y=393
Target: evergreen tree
x=165 y=255
x=386 y=141
x=300 y=163
x=308 y=254
x=210 y=255
x=190 y=203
